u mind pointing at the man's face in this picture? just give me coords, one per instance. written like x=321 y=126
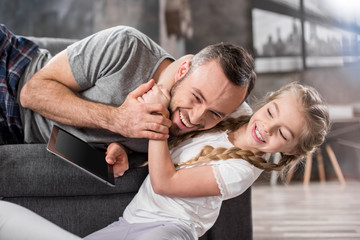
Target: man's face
x=202 y=98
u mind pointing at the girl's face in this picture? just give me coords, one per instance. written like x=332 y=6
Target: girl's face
x=276 y=127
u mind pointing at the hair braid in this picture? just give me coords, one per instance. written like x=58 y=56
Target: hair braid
x=209 y=153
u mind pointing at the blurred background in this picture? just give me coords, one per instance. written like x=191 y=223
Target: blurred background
x=315 y=42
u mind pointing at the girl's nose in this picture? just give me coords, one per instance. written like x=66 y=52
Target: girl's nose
x=268 y=128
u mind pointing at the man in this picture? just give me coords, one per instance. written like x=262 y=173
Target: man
x=91 y=89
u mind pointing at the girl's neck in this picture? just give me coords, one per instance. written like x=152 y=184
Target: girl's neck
x=238 y=139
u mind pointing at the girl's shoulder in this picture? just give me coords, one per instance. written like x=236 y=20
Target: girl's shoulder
x=191 y=147
x=214 y=139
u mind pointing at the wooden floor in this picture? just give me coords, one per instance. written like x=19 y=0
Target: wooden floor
x=319 y=211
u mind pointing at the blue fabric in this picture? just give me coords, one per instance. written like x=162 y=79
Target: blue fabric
x=15 y=55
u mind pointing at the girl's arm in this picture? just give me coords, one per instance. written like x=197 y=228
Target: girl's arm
x=186 y=182
x=165 y=179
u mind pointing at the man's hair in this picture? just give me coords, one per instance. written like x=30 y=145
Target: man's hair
x=236 y=62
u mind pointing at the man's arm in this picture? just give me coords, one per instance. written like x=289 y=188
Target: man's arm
x=52 y=93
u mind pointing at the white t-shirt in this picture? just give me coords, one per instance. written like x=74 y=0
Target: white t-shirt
x=199 y=214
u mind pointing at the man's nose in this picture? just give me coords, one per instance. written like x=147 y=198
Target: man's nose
x=197 y=115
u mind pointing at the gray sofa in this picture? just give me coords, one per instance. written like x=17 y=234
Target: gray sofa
x=34 y=178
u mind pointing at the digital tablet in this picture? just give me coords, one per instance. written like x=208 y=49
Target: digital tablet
x=81 y=154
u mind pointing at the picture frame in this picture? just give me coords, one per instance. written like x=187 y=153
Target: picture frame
x=292 y=35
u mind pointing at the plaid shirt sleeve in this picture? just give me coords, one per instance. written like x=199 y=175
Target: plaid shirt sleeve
x=15 y=55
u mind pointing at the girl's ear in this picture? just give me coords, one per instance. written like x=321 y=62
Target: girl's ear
x=182 y=70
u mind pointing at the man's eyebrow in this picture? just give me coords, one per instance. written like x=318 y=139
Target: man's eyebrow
x=278 y=113
x=198 y=91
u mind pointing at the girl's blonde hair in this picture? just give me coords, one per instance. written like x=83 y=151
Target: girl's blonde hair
x=317 y=125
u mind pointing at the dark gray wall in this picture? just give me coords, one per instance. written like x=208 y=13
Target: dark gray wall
x=78 y=18
x=220 y=21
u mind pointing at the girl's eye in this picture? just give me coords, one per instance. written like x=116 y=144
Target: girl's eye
x=269 y=112
x=282 y=135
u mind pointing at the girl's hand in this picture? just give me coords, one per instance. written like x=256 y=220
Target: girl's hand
x=116 y=155
x=156 y=95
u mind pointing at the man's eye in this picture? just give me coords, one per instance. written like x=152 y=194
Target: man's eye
x=197 y=98
x=216 y=115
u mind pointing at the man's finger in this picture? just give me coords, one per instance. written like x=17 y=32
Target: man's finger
x=159 y=119
x=155 y=136
x=158 y=108
x=142 y=89
x=141 y=100
x=157 y=127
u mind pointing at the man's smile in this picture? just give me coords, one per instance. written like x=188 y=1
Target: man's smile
x=184 y=121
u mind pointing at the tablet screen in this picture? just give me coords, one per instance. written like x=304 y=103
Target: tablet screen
x=80 y=153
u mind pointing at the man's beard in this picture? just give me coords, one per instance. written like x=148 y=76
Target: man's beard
x=174 y=129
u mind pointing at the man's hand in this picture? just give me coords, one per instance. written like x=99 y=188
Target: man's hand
x=135 y=119
x=116 y=155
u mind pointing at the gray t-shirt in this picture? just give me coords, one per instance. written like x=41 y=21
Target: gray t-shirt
x=107 y=66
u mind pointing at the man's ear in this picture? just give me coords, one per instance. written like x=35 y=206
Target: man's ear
x=182 y=70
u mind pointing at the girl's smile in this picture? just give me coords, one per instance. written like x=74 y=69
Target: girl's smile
x=257 y=135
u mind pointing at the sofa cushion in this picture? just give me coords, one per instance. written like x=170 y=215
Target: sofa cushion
x=30 y=170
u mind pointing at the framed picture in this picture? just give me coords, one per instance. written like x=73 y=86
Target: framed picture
x=331 y=37
x=277 y=42
x=329 y=46
x=291 y=35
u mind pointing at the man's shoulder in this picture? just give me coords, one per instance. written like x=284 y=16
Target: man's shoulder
x=127 y=30
x=108 y=35
x=131 y=36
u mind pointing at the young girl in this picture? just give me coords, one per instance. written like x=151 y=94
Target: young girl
x=181 y=198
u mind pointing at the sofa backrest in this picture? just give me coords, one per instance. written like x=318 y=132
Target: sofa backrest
x=53 y=45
